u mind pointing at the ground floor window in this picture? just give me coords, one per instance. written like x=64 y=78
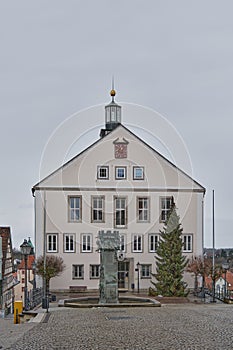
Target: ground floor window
x=94 y=271
x=77 y=272
x=145 y=271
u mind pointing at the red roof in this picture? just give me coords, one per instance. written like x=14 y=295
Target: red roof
x=229 y=278
x=31 y=259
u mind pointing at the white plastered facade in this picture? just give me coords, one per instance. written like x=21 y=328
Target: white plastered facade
x=79 y=177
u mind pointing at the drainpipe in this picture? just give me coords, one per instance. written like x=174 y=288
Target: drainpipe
x=1 y=272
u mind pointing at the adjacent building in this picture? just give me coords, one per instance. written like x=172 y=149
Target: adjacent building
x=223 y=284
x=20 y=276
x=6 y=272
x=118 y=183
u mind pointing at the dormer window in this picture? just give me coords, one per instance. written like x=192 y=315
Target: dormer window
x=120 y=172
x=138 y=173
x=103 y=172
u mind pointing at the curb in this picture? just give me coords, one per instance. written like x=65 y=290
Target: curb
x=38 y=318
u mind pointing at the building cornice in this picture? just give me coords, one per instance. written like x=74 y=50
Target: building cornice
x=117 y=189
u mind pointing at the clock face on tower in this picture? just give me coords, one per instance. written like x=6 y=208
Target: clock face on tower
x=120 y=150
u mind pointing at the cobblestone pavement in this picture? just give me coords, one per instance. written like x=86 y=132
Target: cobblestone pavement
x=10 y=332
x=173 y=327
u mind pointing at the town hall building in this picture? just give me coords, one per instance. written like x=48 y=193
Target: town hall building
x=118 y=183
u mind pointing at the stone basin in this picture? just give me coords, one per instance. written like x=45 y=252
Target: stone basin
x=124 y=301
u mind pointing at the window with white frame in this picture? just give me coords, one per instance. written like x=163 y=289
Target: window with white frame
x=103 y=172
x=153 y=242
x=137 y=243
x=165 y=207
x=187 y=243
x=69 y=243
x=98 y=209
x=145 y=271
x=120 y=212
x=74 y=208
x=120 y=172
x=138 y=173
x=86 y=243
x=143 y=209
x=77 y=272
x=94 y=271
x=122 y=243
x=52 y=243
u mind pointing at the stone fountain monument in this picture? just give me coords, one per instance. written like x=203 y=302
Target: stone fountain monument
x=108 y=244
x=109 y=247
x=110 y=253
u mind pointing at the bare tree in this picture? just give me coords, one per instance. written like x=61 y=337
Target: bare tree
x=199 y=267
x=53 y=267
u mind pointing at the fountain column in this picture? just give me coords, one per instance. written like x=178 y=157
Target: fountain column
x=108 y=244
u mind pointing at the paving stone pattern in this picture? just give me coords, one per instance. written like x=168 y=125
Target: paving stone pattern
x=187 y=326
x=10 y=332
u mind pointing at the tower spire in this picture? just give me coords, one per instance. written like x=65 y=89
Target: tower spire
x=113 y=91
x=112 y=114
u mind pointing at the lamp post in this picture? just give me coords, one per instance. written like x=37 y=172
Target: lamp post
x=25 y=250
x=225 y=267
x=138 y=270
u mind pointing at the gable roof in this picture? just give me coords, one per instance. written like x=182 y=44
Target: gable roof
x=37 y=186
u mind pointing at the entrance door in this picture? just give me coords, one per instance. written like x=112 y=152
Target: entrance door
x=123 y=273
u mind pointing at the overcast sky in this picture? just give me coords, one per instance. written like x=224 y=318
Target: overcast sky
x=58 y=57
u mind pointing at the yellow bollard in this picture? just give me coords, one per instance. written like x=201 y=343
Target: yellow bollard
x=18 y=309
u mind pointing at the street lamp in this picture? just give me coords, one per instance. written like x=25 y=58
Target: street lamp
x=225 y=267
x=138 y=270
x=25 y=250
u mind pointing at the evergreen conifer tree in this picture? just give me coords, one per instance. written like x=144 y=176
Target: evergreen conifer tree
x=170 y=261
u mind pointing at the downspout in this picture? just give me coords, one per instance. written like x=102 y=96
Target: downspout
x=203 y=229
x=44 y=251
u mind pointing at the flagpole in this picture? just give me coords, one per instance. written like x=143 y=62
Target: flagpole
x=213 y=253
